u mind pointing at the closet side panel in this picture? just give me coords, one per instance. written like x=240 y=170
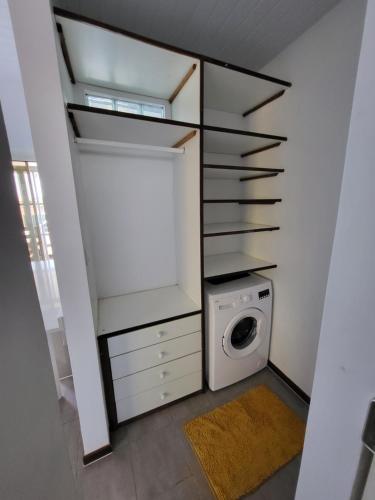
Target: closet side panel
x=185 y=107
x=69 y=92
x=83 y=218
x=36 y=47
x=130 y=208
x=187 y=220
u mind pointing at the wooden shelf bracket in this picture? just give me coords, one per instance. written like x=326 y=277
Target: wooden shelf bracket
x=182 y=83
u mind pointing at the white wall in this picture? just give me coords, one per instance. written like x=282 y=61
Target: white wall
x=12 y=95
x=314 y=114
x=35 y=41
x=345 y=369
x=130 y=216
x=34 y=461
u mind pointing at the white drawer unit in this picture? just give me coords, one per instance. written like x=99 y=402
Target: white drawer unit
x=153 y=377
x=145 y=401
x=151 y=335
x=154 y=355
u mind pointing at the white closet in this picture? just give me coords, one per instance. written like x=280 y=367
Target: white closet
x=138 y=190
x=231 y=141
x=160 y=138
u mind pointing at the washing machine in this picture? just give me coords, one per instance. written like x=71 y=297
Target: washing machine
x=238 y=329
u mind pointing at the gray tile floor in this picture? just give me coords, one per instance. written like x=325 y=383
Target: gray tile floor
x=153 y=460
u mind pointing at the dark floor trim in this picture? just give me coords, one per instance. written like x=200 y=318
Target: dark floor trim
x=95 y=455
x=291 y=384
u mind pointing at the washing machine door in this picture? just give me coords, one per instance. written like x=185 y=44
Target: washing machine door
x=244 y=333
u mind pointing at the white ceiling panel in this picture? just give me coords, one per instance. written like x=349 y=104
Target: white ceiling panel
x=248 y=33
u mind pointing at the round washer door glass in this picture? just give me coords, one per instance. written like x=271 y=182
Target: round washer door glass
x=244 y=333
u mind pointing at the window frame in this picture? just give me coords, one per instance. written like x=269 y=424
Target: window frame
x=116 y=98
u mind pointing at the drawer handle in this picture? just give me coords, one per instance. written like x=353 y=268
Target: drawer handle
x=161 y=355
x=163 y=375
x=160 y=334
x=163 y=395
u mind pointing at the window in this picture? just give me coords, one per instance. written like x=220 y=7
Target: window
x=30 y=198
x=135 y=107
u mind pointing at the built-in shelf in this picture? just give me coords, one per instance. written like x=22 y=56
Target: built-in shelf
x=108 y=57
x=240 y=201
x=231 y=263
x=251 y=92
x=133 y=310
x=228 y=228
x=108 y=125
x=238 y=172
x=247 y=133
x=238 y=142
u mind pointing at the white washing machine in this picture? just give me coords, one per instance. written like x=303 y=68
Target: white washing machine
x=238 y=329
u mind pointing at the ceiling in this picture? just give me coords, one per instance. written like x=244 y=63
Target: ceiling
x=248 y=33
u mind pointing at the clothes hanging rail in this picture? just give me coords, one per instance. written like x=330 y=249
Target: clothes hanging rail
x=127 y=145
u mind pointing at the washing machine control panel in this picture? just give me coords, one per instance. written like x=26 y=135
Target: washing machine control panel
x=263 y=294
x=244 y=298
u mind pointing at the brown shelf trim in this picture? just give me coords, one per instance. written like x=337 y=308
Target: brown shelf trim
x=248 y=269
x=182 y=83
x=259 y=201
x=249 y=169
x=264 y=103
x=185 y=139
x=110 y=112
x=243 y=231
x=224 y=130
x=255 y=177
x=74 y=124
x=259 y=150
x=65 y=53
x=151 y=323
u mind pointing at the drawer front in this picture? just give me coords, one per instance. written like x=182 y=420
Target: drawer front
x=155 y=355
x=138 y=339
x=153 y=377
x=148 y=400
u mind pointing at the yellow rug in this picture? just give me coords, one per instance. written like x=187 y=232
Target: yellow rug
x=242 y=443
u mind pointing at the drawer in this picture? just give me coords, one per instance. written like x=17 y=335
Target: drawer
x=121 y=344
x=153 y=398
x=153 y=377
x=155 y=355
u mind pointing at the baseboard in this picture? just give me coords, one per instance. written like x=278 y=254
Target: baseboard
x=95 y=455
x=291 y=384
